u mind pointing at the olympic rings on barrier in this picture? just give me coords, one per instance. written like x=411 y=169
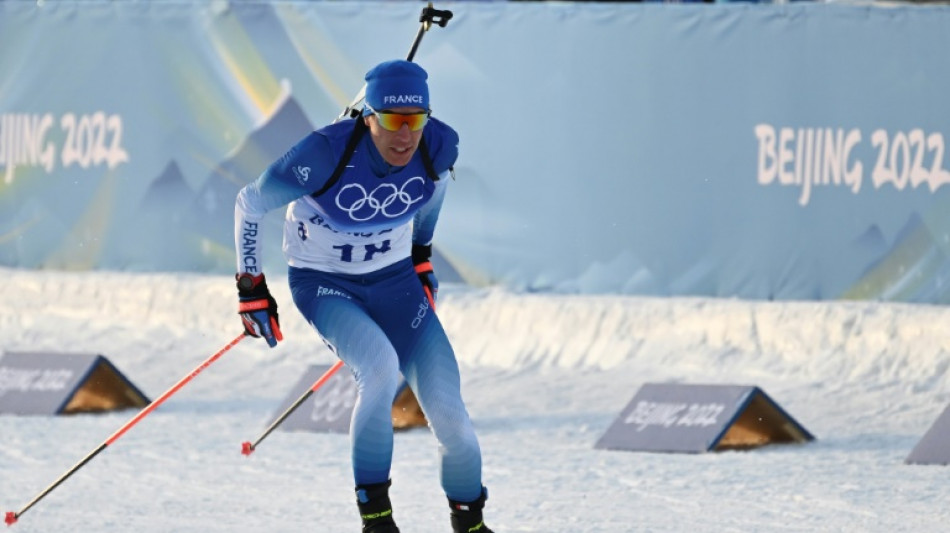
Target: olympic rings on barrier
x=335 y=401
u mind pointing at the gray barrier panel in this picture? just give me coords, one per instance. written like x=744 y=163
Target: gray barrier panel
x=666 y=417
x=42 y=383
x=330 y=408
x=933 y=448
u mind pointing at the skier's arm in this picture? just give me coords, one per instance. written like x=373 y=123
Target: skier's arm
x=301 y=171
x=285 y=180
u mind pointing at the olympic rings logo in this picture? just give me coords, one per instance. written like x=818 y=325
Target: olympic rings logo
x=387 y=199
x=335 y=401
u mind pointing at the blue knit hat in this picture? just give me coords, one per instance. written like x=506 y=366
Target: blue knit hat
x=396 y=83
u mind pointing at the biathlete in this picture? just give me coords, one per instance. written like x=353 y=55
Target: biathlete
x=364 y=196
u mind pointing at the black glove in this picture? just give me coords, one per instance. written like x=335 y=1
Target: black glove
x=257 y=308
x=420 y=258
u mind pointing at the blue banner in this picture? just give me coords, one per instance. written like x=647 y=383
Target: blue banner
x=794 y=151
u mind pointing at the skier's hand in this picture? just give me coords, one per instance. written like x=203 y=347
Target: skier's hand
x=257 y=308
x=420 y=258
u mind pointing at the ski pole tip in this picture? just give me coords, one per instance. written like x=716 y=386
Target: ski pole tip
x=247 y=448
x=11 y=518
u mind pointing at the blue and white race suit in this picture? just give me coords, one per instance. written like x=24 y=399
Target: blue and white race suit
x=351 y=276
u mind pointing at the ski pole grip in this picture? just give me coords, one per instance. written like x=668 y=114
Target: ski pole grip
x=438 y=16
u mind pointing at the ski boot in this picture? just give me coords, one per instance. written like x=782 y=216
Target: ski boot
x=376 y=510
x=467 y=516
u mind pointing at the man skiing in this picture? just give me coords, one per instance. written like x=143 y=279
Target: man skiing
x=364 y=197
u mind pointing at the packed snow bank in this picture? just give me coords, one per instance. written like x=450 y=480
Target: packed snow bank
x=844 y=341
x=543 y=376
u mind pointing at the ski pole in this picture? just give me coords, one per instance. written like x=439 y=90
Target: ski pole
x=427 y=18
x=11 y=517
x=247 y=448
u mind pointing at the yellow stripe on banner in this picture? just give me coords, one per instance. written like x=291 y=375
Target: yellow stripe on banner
x=903 y=272
x=81 y=247
x=321 y=55
x=237 y=52
x=19 y=230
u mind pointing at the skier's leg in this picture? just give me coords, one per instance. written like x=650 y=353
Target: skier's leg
x=432 y=372
x=428 y=363
x=332 y=307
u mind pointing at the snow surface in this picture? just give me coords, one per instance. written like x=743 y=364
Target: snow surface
x=544 y=376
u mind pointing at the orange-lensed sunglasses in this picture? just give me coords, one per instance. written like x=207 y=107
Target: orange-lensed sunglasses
x=393 y=121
